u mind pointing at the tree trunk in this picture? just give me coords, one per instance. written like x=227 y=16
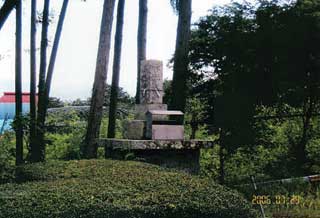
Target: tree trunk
x=180 y=66
x=5 y=10
x=45 y=79
x=300 y=150
x=194 y=129
x=141 y=41
x=98 y=92
x=221 y=157
x=39 y=145
x=116 y=71
x=18 y=89
x=54 y=55
x=33 y=82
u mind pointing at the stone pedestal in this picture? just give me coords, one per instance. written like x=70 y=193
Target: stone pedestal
x=178 y=154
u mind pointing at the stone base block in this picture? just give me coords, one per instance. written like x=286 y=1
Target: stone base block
x=178 y=154
x=134 y=129
x=141 y=109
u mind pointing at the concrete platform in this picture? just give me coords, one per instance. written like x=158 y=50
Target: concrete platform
x=178 y=154
x=128 y=144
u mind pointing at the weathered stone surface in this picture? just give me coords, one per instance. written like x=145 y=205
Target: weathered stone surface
x=151 y=82
x=126 y=144
x=165 y=132
x=134 y=129
x=141 y=109
x=164 y=129
x=178 y=154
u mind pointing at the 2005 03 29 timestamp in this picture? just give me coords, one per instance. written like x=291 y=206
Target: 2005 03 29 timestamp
x=277 y=199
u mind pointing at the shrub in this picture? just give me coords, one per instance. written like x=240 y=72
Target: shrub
x=7 y=157
x=64 y=146
x=65 y=134
x=105 y=188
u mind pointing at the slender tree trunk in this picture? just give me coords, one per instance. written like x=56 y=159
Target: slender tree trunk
x=33 y=82
x=141 y=41
x=5 y=10
x=98 y=92
x=116 y=71
x=180 y=66
x=221 y=157
x=39 y=145
x=194 y=128
x=54 y=54
x=18 y=89
x=300 y=150
x=45 y=78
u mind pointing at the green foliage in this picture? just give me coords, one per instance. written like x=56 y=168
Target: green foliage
x=64 y=146
x=260 y=60
x=270 y=157
x=64 y=135
x=195 y=116
x=124 y=99
x=79 y=102
x=104 y=128
x=64 y=121
x=7 y=157
x=55 y=102
x=105 y=188
x=313 y=150
x=209 y=163
x=167 y=88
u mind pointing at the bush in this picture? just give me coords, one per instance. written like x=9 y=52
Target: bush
x=7 y=157
x=64 y=146
x=105 y=188
x=65 y=134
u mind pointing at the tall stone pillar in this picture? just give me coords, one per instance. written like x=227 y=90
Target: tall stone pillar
x=151 y=88
x=151 y=82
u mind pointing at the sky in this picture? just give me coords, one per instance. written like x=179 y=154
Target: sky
x=76 y=59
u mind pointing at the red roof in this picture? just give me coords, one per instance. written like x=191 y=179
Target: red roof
x=10 y=97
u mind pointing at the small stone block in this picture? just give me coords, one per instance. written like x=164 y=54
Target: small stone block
x=134 y=129
x=166 y=132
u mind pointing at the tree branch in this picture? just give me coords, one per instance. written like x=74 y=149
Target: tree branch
x=5 y=10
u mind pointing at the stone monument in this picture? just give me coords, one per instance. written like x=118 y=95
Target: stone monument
x=151 y=94
x=151 y=88
x=155 y=135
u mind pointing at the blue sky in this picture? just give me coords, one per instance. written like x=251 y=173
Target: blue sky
x=75 y=64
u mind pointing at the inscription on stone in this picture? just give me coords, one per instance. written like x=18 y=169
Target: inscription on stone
x=151 y=82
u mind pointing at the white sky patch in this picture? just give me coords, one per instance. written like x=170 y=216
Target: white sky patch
x=76 y=59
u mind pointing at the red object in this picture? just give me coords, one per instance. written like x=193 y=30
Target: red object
x=10 y=97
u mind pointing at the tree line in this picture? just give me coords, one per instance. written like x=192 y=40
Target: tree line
x=38 y=112
x=257 y=62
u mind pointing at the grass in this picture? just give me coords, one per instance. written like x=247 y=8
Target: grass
x=108 y=188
